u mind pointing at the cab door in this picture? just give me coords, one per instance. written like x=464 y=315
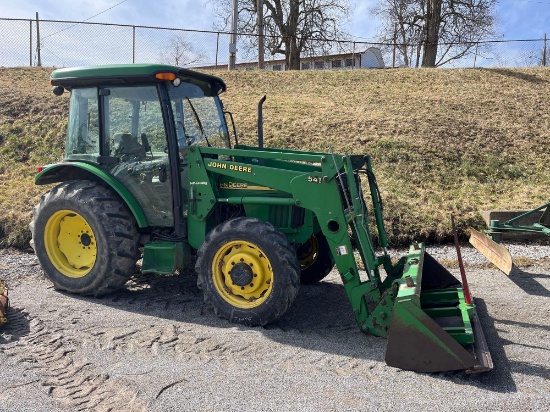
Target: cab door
x=134 y=133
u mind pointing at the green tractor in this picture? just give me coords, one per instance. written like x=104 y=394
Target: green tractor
x=152 y=171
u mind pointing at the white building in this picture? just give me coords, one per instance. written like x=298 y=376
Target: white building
x=371 y=58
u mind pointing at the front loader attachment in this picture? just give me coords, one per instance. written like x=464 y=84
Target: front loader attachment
x=427 y=315
x=497 y=254
x=432 y=328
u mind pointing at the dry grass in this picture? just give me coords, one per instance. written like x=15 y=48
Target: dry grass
x=32 y=129
x=442 y=141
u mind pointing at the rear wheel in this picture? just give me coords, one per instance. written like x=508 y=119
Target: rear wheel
x=85 y=238
x=315 y=259
x=248 y=271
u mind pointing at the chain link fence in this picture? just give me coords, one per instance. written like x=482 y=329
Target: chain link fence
x=67 y=43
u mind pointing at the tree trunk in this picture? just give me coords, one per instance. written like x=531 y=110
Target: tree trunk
x=431 y=32
x=294 y=55
x=293 y=52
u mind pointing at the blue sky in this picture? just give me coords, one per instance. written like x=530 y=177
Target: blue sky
x=518 y=19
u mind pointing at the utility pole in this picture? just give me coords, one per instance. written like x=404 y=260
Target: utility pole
x=260 y=7
x=233 y=38
x=39 y=64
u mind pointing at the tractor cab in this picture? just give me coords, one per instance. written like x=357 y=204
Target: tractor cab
x=138 y=129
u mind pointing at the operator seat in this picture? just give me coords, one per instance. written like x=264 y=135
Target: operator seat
x=127 y=145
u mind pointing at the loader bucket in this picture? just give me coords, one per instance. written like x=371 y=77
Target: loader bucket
x=497 y=254
x=433 y=329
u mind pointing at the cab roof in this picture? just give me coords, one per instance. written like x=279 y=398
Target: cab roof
x=127 y=74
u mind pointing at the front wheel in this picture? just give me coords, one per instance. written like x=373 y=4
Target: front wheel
x=248 y=271
x=85 y=238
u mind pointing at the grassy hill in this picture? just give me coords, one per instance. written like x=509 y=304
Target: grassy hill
x=442 y=141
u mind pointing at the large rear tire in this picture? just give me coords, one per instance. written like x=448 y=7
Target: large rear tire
x=248 y=271
x=315 y=259
x=85 y=238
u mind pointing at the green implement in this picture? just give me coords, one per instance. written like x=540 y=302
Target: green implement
x=496 y=229
x=151 y=171
x=488 y=243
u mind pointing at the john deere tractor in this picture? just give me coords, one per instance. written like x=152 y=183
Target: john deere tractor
x=152 y=171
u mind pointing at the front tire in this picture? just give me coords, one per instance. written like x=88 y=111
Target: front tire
x=248 y=271
x=85 y=238
x=315 y=259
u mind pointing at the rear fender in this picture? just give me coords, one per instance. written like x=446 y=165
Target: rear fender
x=83 y=171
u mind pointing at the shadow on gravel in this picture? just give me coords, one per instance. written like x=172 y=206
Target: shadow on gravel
x=322 y=315
x=524 y=367
x=320 y=320
x=528 y=283
x=500 y=378
x=17 y=327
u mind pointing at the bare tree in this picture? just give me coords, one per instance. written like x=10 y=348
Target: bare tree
x=400 y=27
x=292 y=27
x=444 y=30
x=179 y=52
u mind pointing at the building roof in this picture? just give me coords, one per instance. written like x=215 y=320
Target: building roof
x=374 y=50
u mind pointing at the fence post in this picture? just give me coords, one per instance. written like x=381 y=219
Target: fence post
x=38 y=41
x=544 y=52
x=133 y=44
x=217 y=47
x=30 y=43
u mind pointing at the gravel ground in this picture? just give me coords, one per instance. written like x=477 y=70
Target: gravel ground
x=155 y=346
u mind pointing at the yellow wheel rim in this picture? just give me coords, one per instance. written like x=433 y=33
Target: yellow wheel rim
x=307 y=253
x=70 y=243
x=242 y=274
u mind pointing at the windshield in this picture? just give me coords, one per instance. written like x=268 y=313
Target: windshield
x=199 y=118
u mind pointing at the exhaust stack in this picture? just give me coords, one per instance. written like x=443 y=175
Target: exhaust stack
x=261 y=123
